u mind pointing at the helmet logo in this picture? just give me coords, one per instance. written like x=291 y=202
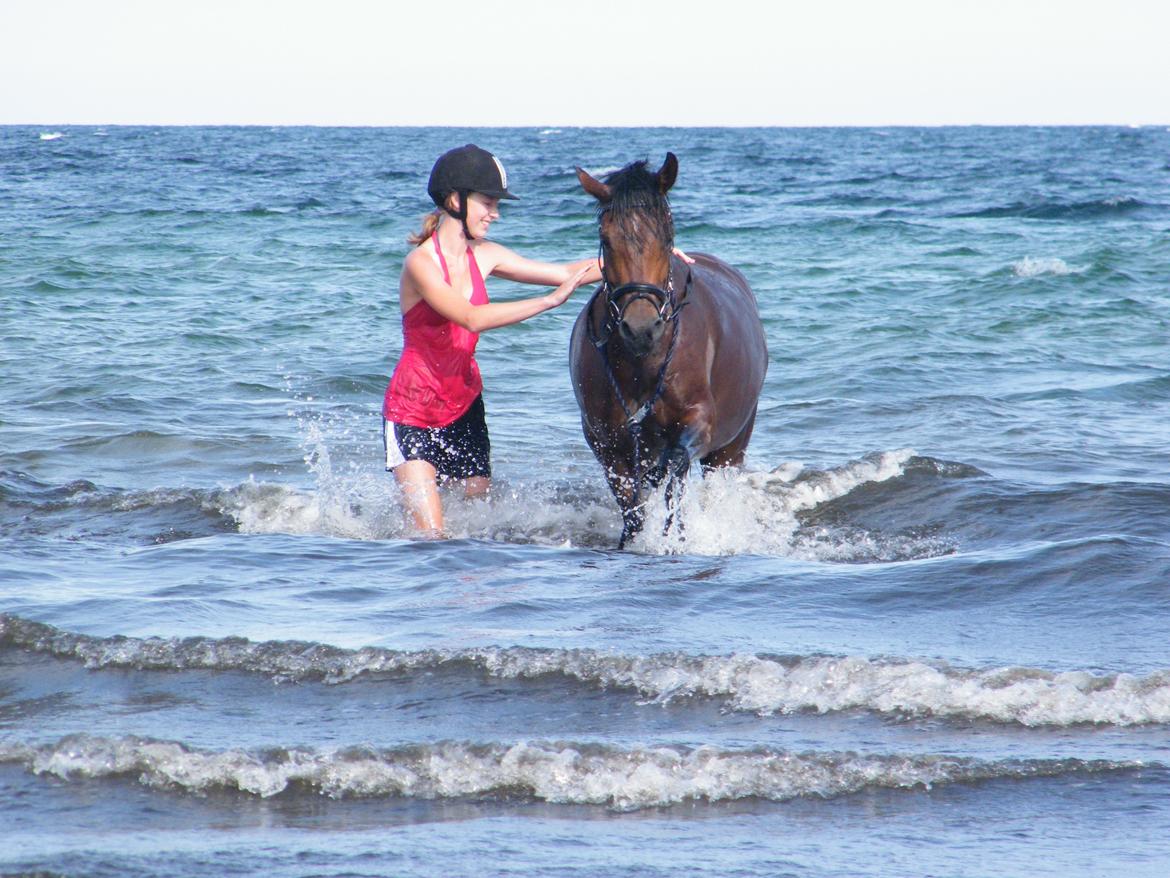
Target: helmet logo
x=503 y=173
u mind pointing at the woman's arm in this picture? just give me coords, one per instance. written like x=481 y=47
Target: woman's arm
x=505 y=263
x=512 y=266
x=423 y=276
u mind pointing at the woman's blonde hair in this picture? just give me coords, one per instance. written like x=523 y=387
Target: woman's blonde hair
x=430 y=222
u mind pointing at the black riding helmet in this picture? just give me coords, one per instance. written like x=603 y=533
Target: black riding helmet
x=464 y=170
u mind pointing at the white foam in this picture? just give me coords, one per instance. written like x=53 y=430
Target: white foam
x=560 y=772
x=759 y=684
x=1025 y=696
x=768 y=686
x=736 y=511
x=1029 y=267
x=727 y=512
x=52 y=135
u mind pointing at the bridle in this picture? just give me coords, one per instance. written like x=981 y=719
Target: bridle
x=665 y=303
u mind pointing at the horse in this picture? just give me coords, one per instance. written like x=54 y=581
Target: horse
x=667 y=359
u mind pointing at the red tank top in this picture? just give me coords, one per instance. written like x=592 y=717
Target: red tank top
x=437 y=378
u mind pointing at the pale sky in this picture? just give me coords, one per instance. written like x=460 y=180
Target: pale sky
x=602 y=62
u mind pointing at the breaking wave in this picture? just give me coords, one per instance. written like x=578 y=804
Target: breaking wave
x=554 y=771
x=1029 y=267
x=752 y=683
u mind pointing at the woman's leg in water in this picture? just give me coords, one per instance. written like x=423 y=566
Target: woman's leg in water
x=476 y=486
x=417 y=480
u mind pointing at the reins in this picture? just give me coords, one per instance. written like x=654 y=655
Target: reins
x=669 y=307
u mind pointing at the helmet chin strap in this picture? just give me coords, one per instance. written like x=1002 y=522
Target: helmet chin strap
x=461 y=214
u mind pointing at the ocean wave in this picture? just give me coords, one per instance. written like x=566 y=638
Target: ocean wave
x=1029 y=267
x=763 y=684
x=31 y=507
x=552 y=771
x=1094 y=209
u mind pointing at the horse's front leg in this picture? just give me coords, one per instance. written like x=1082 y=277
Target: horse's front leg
x=619 y=475
x=630 y=499
x=693 y=442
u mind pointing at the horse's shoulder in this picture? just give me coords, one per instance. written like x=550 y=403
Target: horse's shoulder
x=711 y=271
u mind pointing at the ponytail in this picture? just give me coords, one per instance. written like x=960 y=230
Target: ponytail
x=430 y=223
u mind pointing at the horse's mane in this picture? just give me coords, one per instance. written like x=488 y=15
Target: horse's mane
x=636 y=200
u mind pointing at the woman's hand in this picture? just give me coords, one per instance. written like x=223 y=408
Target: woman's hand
x=561 y=294
x=683 y=256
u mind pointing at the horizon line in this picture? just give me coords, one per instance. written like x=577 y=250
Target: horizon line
x=555 y=126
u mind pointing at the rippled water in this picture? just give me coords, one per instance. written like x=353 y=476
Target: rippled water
x=922 y=632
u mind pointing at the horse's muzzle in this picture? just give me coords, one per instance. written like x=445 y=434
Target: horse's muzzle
x=641 y=336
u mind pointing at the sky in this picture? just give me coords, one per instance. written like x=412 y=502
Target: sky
x=597 y=63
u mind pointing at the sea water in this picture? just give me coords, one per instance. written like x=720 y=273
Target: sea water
x=924 y=631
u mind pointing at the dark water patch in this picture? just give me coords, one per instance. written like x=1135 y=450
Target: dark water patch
x=1139 y=391
x=1142 y=390
x=19 y=488
x=1106 y=208
x=977 y=510
x=44 y=285
x=309 y=203
x=847 y=200
x=140 y=443
x=216 y=341
x=893 y=176
x=957 y=251
x=83 y=510
x=396 y=175
x=884 y=536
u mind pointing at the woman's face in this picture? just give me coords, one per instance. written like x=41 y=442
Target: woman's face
x=482 y=211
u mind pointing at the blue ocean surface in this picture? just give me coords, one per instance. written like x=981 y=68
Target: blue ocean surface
x=923 y=631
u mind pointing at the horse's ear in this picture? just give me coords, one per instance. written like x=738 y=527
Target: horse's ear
x=594 y=187
x=668 y=173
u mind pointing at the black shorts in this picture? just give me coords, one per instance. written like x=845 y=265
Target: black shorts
x=460 y=450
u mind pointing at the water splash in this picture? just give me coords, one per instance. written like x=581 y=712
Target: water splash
x=727 y=512
x=740 y=511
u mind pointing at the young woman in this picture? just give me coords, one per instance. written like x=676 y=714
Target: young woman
x=433 y=415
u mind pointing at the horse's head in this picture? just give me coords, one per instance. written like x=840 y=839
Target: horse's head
x=637 y=236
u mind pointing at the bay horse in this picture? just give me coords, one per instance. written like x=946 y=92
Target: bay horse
x=667 y=359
